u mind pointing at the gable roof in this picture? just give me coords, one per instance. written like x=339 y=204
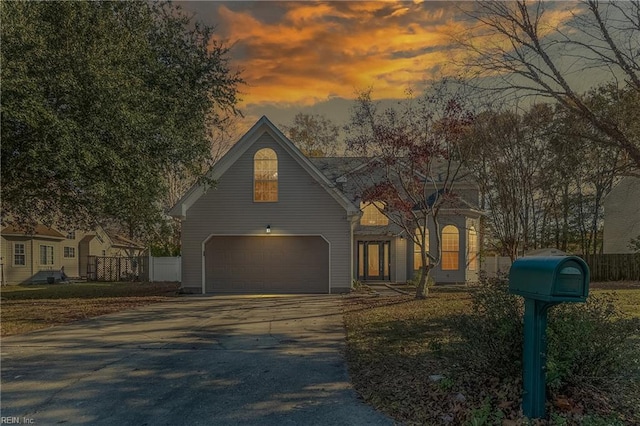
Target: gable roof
x=335 y=167
x=119 y=241
x=40 y=230
x=259 y=128
x=340 y=169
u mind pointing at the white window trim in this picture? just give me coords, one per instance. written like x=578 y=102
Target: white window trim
x=64 y=254
x=472 y=257
x=53 y=260
x=24 y=253
x=276 y=179
x=450 y=251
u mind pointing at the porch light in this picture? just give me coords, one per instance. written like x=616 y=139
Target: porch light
x=268 y=229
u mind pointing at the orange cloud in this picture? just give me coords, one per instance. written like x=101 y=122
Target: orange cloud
x=309 y=51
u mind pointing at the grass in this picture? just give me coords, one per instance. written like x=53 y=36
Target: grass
x=394 y=351
x=32 y=307
x=628 y=294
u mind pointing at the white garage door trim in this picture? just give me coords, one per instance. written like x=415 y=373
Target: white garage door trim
x=204 y=242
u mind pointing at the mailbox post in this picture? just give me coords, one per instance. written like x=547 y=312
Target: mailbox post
x=543 y=282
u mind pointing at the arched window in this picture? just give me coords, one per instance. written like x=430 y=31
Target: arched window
x=417 y=255
x=371 y=215
x=472 y=249
x=265 y=176
x=450 y=248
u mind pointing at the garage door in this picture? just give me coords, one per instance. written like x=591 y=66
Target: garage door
x=269 y=264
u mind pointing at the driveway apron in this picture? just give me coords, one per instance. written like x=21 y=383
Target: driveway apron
x=211 y=360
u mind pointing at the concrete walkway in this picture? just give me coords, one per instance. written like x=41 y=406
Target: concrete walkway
x=222 y=360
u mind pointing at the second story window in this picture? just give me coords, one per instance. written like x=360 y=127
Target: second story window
x=265 y=176
x=371 y=215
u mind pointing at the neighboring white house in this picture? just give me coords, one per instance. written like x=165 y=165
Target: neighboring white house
x=279 y=222
x=622 y=216
x=30 y=257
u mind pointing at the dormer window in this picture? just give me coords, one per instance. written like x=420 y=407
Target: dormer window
x=265 y=176
x=371 y=214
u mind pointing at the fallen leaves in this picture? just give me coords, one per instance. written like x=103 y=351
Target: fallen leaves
x=34 y=308
x=396 y=366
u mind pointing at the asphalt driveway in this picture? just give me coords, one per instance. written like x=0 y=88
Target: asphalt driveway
x=197 y=361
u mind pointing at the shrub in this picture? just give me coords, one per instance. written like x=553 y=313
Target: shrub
x=415 y=280
x=492 y=334
x=590 y=345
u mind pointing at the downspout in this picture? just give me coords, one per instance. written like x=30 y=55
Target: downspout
x=353 y=219
x=33 y=257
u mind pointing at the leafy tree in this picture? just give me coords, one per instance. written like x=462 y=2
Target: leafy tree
x=587 y=169
x=315 y=135
x=521 y=49
x=101 y=100
x=507 y=156
x=543 y=174
x=164 y=237
x=416 y=161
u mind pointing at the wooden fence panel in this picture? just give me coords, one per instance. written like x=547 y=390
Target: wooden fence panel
x=613 y=267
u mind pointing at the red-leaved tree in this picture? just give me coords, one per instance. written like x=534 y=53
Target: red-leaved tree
x=415 y=151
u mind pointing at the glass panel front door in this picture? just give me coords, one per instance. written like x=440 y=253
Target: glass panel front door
x=374 y=260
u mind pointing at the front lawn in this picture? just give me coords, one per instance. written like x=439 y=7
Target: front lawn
x=398 y=361
x=30 y=307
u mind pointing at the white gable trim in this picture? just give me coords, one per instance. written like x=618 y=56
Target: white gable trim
x=263 y=125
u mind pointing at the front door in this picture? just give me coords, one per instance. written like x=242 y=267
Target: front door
x=373 y=260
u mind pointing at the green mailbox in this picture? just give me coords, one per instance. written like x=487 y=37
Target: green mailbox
x=551 y=279
x=543 y=282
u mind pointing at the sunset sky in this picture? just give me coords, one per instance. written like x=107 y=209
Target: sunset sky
x=313 y=56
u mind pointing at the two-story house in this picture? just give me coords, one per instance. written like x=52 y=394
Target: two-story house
x=278 y=222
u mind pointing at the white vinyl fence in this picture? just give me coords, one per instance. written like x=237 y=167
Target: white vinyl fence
x=493 y=265
x=165 y=269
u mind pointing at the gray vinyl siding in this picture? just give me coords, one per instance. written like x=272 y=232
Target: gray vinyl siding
x=622 y=216
x=400 y=265
x=304 y=207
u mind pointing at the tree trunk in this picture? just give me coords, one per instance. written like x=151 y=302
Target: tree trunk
x=565 y=218
x=423 y=290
